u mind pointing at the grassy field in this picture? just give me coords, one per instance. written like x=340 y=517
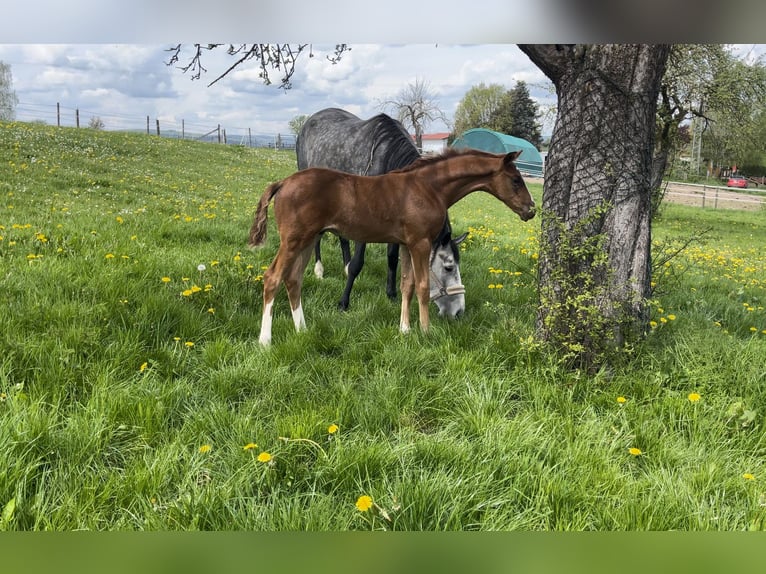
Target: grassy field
x=135 y=395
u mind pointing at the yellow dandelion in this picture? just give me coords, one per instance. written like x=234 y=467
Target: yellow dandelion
x=143 y=367
x=189 y=344
x=205 y=448
x=364 y=503
x=671 y=317
x=250 y=446
x=109 y=256
x=264 y=457
x=166 y=279
x=211 y=310
x=635 y=451
x=332 y=429
x=693 y=397
x=187 y=292
x=748 y=476
x=622 y=400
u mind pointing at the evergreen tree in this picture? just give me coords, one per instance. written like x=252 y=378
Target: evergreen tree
x=517 y=114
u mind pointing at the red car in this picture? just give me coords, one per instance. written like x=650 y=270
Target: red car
x=736 y=181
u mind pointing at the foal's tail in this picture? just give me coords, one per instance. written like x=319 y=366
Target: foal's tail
x=258 y=230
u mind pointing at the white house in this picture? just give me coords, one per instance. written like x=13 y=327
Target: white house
x=434 y=143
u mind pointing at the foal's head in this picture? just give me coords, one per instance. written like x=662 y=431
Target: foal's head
x=509 y=187
x=447 y=290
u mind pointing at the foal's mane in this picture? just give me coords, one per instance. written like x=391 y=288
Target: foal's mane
x=447 y=154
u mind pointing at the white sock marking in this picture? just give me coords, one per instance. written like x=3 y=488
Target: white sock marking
x=265 y=337
x=298 y=318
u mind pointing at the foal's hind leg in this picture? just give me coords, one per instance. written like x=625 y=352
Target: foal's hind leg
x=345 y=251
x=294 y=283
x=318 y=267
x=272 y=278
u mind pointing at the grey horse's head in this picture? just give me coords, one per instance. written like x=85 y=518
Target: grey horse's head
x=447 y=290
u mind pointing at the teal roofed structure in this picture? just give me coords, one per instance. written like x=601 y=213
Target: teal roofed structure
x=530 y=162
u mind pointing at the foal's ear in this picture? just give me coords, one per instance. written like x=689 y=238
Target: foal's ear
x=511 y=157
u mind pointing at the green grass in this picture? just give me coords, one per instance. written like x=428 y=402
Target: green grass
x=112 y=379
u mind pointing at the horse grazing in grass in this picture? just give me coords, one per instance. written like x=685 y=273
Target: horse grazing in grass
x=337 y=139
x=407 y=206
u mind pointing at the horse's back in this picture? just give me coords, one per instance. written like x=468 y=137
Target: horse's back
x=325 y=141
x=337 y=139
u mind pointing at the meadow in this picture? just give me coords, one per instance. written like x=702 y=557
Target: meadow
x=134 y=394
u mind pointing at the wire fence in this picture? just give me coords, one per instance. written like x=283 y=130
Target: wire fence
x=63 y=116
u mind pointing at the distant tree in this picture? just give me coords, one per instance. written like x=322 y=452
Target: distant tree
x=517 y=115
x=721 y=96
x=296 y=124
x=477 y=107
x=415 y=106
x=8 y=99
x=96 y=123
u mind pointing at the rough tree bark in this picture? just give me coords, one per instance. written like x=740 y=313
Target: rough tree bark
x=595 y=254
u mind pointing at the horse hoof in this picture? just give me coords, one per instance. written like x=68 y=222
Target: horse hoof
x=319 y=270
x=342 y=306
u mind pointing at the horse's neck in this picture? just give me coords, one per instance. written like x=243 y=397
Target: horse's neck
x=454 y=184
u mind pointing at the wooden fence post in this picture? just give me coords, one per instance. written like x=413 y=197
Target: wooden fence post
x=158 y=126
x=147 y=125
x=183 y=130
x=58 y=114
x=219 y=133
x=77 y=117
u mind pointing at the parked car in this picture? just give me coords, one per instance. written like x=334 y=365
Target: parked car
x=736 y=181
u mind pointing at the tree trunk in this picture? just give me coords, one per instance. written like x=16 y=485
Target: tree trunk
x=595 y=254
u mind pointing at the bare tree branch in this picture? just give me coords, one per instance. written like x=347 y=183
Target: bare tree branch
x=270 y=57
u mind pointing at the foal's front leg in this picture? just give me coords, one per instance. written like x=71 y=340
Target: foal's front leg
x=407 y=287
x=420 y=255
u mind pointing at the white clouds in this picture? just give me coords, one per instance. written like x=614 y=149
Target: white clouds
x=134 y=80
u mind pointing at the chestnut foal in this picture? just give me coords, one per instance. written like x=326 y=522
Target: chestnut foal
x=406 y=206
